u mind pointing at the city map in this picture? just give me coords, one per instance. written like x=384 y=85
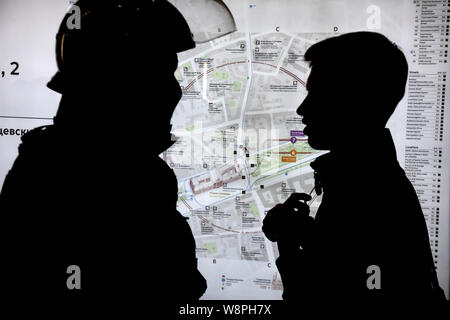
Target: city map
x=239 y=151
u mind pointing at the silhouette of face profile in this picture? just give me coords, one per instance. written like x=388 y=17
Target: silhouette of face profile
x=117 y=72
x=326 y=110
x=135 y=88
x=356 y=81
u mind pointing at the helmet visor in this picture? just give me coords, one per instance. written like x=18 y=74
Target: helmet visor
x=207 y=19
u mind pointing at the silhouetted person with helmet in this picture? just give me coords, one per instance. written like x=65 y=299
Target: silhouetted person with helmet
x=368 y=241
x=91 y=190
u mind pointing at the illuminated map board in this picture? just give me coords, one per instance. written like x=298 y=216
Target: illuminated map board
x=240 y=147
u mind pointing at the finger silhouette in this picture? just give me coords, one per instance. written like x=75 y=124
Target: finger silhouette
x=295 y=203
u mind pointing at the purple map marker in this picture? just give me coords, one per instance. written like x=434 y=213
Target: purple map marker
x=297 y=133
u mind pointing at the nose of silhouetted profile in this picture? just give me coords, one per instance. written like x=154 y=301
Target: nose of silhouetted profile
x=302 y=107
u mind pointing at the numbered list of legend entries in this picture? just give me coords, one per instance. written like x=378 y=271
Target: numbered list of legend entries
x=427 y=139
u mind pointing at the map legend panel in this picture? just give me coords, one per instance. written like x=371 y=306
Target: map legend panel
x=423 y=166
x=431 y=32
x=426 y=102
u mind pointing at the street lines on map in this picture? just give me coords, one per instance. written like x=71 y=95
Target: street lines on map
x=239 y=157
x=254 y=195
x=270 y=111
x=236 y=62
x=206 y=220
x=285 y=52
x=209 y=71
x=300 y=38
x=200 y=129
x=205 y=85
x=219 y=194
x=216 y=226
x=225 y=113
x=292 y=37
x=205 y=81
x=261 y=208
x=185 y=203
x=247 y=91
x=226 y=44
x=242 y=158
x=212 y=49
x=241 y=130
x=280 y=59
x=284 y=70
x=270 y=174
x=200 y=143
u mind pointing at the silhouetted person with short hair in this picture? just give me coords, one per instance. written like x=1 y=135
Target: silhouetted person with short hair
x=91 y=190
x=368 y=241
